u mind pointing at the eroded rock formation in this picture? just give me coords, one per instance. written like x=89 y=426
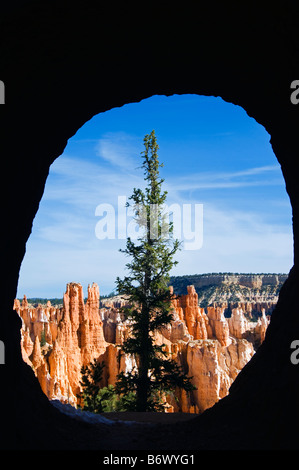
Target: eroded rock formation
x=57 y=341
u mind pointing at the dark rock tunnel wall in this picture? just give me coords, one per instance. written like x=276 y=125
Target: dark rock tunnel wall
x=62 y=63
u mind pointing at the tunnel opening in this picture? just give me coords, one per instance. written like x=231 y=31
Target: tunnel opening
x=62 y=64
x=216 y=156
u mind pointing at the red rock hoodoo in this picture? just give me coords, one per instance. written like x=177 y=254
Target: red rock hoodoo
x=57 y=341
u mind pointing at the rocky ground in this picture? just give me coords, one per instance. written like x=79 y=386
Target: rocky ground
x=149 y=417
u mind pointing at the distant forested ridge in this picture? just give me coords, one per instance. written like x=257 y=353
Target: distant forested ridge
x=55 y=302
x=231 y=287
x=213 y=287
x=34 y=301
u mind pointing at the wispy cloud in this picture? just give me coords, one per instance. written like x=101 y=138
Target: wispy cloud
x=82 y=183
x=120 y=150
x=269 y=175
x=237 y=241
x=232 y=241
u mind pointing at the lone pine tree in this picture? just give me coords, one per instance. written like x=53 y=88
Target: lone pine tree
x=146 y=288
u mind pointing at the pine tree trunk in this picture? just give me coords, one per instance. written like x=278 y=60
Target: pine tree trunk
x=143 y=382
x=143 y=386
x=142 y=389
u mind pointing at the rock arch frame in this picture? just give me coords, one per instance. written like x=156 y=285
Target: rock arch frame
x=64 y=62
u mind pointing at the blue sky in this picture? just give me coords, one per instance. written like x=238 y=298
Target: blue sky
x=213 y=154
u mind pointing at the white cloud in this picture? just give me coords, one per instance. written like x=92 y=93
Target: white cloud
x=238 y=242
x=226 y=180
x=232 y=241
x=79 y=182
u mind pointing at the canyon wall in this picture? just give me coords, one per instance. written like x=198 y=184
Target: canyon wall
x=57 y=341
x=253 y=292
x=252 y=281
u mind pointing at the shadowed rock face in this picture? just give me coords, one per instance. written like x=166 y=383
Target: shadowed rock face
x=63 y=62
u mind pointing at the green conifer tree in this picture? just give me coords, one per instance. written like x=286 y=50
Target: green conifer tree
x=91 y=376
x=146 y=288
